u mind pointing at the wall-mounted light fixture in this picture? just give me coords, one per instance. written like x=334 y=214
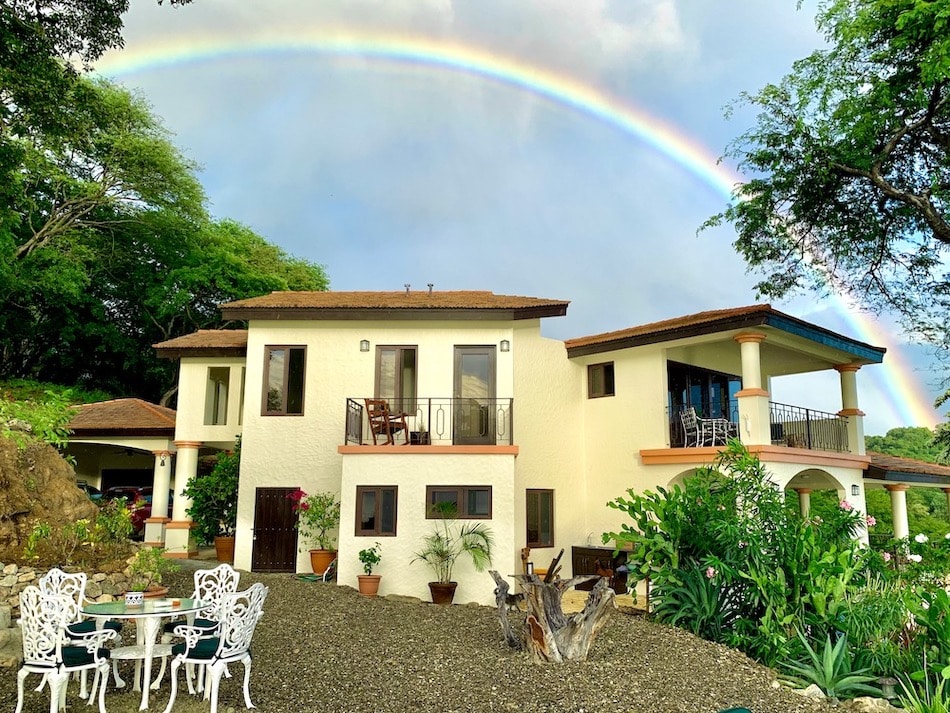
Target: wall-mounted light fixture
x=505 y=345
x=162 y=456
x=364 y=345
x=855 y=489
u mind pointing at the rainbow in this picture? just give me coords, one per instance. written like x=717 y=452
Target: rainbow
x=909 y=400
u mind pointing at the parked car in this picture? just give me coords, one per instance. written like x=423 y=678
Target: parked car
x=93 y=492
x=139 y=500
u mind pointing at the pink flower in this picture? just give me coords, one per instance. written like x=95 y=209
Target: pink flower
x=710 y=572
x=886 y=556
x=870 y=521
x=845 y=505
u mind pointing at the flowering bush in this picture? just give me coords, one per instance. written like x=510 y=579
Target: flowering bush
x=318 y=515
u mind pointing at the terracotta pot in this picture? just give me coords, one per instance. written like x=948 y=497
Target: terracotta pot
x=369 y=584
x=224 y=549
x=154 y=591
x=320 y=560
x=442 y=592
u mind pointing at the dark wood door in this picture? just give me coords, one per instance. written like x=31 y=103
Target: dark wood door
x=275 y=538
x=474 y=402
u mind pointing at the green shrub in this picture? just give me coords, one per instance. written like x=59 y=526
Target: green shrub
x=831 y=670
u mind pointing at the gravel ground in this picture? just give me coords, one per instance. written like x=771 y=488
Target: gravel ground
x=320 y=647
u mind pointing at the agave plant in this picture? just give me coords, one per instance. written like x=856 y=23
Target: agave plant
x=442 y=548
x=831 y=670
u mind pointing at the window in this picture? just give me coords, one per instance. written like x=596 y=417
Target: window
x=375 y=510
x=539 y=516
x=600 y=380
x=283 y=386
x=396 y=377
x=470 y=501
x=216 y=396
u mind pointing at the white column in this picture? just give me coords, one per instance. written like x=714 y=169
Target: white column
x=899 y=509
x=161 y=481
x=178 y=539
x=804 y=501
x=754 y=427
x=847 y=374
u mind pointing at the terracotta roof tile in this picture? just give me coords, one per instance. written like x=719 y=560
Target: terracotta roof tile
x=669 y=325
x=894 y=464
x=422 y=299
x=123 y=416
x=207 y=339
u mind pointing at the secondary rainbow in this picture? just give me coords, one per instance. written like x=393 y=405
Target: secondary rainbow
x=907 y=397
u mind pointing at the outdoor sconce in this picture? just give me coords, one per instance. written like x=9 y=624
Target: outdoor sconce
x=855 y=489
x=162 y=459
x=364 y=345
x=505 y=345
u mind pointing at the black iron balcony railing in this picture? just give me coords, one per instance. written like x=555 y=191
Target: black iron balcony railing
x=792 y=426
x=437 y=421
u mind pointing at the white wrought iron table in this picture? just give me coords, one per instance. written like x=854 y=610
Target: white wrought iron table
x=148 y=623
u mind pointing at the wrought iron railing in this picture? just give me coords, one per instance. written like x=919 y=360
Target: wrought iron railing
x=438 y=421
x=799 y=427
x=792 y=426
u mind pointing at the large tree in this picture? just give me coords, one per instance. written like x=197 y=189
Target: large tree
x=849 y=165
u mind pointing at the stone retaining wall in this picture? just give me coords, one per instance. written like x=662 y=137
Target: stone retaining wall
x=100 y=587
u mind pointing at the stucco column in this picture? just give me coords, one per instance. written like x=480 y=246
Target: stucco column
x=178 y=539
x=161 y=481
x=804 y=501
x=847 y=374
x=898 y=493
x=754 y=427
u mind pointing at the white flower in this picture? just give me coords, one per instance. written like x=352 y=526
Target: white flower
x=914 y=558
x=921 y=538
x=924 y=606
x=947 y=536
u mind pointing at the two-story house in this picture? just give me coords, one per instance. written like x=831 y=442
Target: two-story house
x=530 y=434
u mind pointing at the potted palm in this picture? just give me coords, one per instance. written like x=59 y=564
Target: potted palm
x=318 y=516
x=214 y=501
x=369 y=582
x=450 y=540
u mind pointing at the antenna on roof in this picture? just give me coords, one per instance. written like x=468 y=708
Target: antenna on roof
x=430 y=288
x=406 y=285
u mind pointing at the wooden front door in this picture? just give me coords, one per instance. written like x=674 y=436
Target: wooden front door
x=275 y=538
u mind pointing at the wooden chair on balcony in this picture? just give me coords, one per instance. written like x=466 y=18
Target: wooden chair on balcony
x=382 y=422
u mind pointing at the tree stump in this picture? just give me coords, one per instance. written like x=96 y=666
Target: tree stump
x=548 y=634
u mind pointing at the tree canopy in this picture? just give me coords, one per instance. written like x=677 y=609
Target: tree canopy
x=849 y=165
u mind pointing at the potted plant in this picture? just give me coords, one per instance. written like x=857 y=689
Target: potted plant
x=145 y=572
x=446 y=544
x=318 y=516
x=214 y=500
x=369 y=582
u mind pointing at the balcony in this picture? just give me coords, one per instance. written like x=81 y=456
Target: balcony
x=438 y=422
x=791 y=426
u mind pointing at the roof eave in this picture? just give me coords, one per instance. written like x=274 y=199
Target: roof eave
x=506 y=314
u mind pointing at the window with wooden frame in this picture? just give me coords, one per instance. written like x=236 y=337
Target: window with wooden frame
x=539 y=517
x=472 y=502
x=376 y=510
x=284 y=380
x=396 y=377
x=600 y=380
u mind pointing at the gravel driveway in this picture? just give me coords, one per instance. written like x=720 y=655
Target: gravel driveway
x=320 y=647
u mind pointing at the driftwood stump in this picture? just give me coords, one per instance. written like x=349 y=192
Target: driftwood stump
x=548 y=634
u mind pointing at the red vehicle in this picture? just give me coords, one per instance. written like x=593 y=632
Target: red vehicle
x=139 y=500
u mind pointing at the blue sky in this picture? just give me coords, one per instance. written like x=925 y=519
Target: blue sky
x=392 y=173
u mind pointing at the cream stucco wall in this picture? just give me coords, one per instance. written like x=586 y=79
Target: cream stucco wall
x=192 y=393
x=411 y=474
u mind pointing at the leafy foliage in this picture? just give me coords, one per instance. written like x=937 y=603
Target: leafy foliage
x=370 y=557
x=318 y=516
x=850 y=165
x=450 y=540
x=214 y=497
x=82 y=543
x=831 y=670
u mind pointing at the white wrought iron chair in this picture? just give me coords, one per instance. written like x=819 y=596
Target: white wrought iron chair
x=704 y=431
x=73 y=585
x=210 y=587
x=230 y=644
x=48 y=652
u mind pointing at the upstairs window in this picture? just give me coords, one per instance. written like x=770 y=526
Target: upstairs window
x=600 y=380
x=469 y=501
x=216 y=396
x=284 y=380
x=396 y=377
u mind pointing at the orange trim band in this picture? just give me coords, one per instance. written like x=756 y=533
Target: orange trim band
x=846 y=367
x=850 y=412
x=755 y=391
x=188 y=444
x=896 y=487
x=773 y=454
x=749 y=337
x=179 y=525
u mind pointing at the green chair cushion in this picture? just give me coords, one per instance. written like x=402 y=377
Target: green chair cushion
x=78 y=656
x=204 y=649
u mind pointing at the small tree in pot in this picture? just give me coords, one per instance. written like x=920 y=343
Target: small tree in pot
x=369 y=582
x=214 y=501
x=442 y=548
x=318 y=517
